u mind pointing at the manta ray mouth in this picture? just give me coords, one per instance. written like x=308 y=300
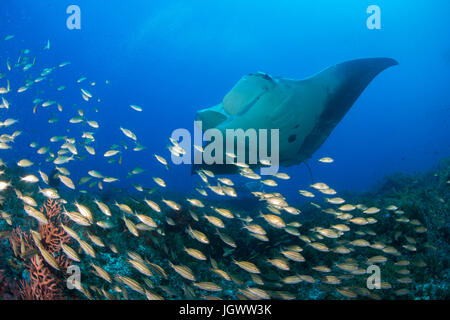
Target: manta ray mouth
x=251 y=104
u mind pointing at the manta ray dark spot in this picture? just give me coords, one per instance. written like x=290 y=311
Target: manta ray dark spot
x=292 y=138
x=296 y=126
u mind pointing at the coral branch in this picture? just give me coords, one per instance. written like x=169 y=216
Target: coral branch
x=43 y=283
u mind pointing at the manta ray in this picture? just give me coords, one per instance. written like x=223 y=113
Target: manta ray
x=305 y=111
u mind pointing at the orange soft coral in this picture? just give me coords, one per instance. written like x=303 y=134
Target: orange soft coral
x=52 y=233
x=44 y=282
x=43 y=285
x=20 y=242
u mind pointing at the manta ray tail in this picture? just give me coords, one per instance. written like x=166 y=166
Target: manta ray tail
x=310 y=171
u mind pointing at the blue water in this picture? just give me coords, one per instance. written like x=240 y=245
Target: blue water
x=175 y=57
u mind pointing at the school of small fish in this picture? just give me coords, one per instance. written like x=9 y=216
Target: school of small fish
x=195 y=247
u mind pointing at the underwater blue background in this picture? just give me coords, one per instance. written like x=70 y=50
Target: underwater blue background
x=175 y=57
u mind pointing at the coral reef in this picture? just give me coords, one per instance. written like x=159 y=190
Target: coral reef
x=422 y=197
x=425 y=196
x=43 y=282
x=9 y=290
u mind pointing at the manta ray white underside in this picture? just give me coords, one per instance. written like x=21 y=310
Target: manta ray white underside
x=304 y=111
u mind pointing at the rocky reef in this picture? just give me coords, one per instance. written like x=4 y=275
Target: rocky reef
x=26 y=274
